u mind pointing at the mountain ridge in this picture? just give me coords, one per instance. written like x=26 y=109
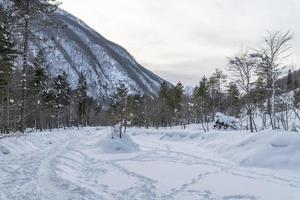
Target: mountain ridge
x=77 y=48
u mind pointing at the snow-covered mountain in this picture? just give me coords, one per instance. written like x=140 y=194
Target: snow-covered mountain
x=78 y=48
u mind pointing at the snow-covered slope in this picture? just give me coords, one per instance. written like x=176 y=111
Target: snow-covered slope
x=78 y=48
x=105 y=64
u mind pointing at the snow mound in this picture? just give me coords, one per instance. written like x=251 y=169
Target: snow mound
x=118 y=145
x=4 y=150
x=265 y=149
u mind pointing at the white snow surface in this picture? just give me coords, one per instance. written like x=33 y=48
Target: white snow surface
x=153 y=164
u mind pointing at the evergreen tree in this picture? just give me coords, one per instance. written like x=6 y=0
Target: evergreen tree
x=27 y=13
x=202 y=102
x=165 y=105
x=7 y=48
x=233 y=100
x=63 y=92
x=120 y=107
x=177 y=98
x=290 y=81
x=296 y=84
x=48 y=103
x=216 y=83
x=82 y=100
x=7 y=58
x=39 y=86
x=136 y=109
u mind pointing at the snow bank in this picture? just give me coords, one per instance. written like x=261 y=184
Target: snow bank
x=266 y=149
x=272 y=150
x=174 y=134
x=117 y=145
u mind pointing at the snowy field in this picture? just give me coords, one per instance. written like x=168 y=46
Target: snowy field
x=151 y=164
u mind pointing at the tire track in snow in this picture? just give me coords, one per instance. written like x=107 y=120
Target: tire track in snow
x=47 y=186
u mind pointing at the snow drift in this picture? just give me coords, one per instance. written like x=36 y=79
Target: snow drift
x=266 y=149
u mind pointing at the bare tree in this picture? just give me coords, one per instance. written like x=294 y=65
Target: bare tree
x=243 y=71
x=272 y=55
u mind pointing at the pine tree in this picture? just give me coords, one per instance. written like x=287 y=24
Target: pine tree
x=233 y=100
x=120 y=107
x=177 y=98
x=290 y=81
x=29 y=12
x=296 y=84
x=63 y=92
x=216 y=82
x=165 y=105
x=7 y=58
x=202 y=102
x=136 y=112
x=37 y=85
x=82 y=100
x=48 y=101
x=7 y=48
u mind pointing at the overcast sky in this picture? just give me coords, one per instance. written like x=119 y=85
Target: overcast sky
x=181 y=40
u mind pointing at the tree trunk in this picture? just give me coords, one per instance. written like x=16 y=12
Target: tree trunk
x=24 y=67
x=2 y=111
x=273 y=104
x=40 y=116
x=50 y=125
x=57 y=117
x=8 y=110
x=250 y=118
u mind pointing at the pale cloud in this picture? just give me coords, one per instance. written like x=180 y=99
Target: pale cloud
x=183 y=40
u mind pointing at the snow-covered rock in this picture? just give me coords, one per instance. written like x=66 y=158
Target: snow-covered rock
x=4 y=150
x=222 y=120
x=225 y=119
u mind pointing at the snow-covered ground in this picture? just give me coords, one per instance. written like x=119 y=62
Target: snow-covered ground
x=150 y=164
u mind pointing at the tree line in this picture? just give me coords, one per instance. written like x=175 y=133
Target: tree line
x=255 y=88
